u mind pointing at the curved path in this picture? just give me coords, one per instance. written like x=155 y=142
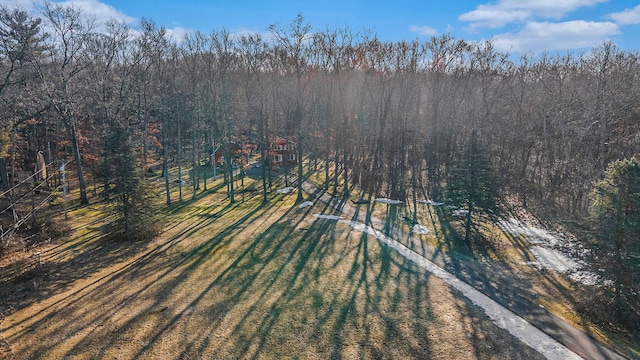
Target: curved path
x=549 y=335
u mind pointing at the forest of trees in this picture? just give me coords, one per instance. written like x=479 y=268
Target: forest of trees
x=398 y=115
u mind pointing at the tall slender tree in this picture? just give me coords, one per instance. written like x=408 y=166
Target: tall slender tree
x=62 y=73
x=293 y=45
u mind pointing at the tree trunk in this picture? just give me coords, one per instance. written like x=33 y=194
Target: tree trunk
x=228 y=161
x=232 y=197
x=179 y=163
x=345 y=158
x=327 y=161
x=264 y=152
x=195 y=167
x=336 y=164
x=200 y=154
x=144 y=149
x=76 y=154
x=300 y=197
x=213 y=155
x=165 y=170
x=264 y=180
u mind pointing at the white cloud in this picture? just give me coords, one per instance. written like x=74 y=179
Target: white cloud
x=423 y=30
x=549 y=8
x=98 y=10
x=626 y=17
x=509 y=11
x=570 y=35
x=493 y=17
x=28 y=5
x=101 y=11
x=177 y=33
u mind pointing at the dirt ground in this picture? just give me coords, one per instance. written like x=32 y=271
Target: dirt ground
x=242 y=281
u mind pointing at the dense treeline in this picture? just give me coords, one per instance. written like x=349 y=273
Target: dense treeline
x=395 y=115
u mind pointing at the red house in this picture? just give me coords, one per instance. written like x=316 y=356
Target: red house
x=282 y=151
x=234 y=150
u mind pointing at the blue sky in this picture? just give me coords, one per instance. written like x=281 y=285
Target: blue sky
x=516 y=26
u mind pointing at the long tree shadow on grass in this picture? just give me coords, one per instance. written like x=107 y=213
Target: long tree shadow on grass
x=247 y=291
x=552 y=287
x=410 y=276
x=353 y=296
x=238 y=265
x=494 y=280
x=201 y=252
x=392 y=229
x=503 y=284
x=88 y=256
x=241 y=275
x=98 y=255
x=46 y=278
x=463 y=264
x=291 y=271
x=178 y=206
x=380 y=304
x=369 y=301
x=308 y=262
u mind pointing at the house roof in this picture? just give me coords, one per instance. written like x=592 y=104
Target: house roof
x=282 y=141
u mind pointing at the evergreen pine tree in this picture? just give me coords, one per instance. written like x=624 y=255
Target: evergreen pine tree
x=135 y=208
x=615 y=210
x=472 y=185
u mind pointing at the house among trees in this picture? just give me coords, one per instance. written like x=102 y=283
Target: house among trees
x=236 y=151
x=282 y=151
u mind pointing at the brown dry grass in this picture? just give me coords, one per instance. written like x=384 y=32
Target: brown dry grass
x=503 y=258
x=244 y=281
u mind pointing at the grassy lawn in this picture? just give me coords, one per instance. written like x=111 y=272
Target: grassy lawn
x=504 y=258
x=248 y=280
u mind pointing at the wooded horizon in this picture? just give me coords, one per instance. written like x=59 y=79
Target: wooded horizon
x=396 y=112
